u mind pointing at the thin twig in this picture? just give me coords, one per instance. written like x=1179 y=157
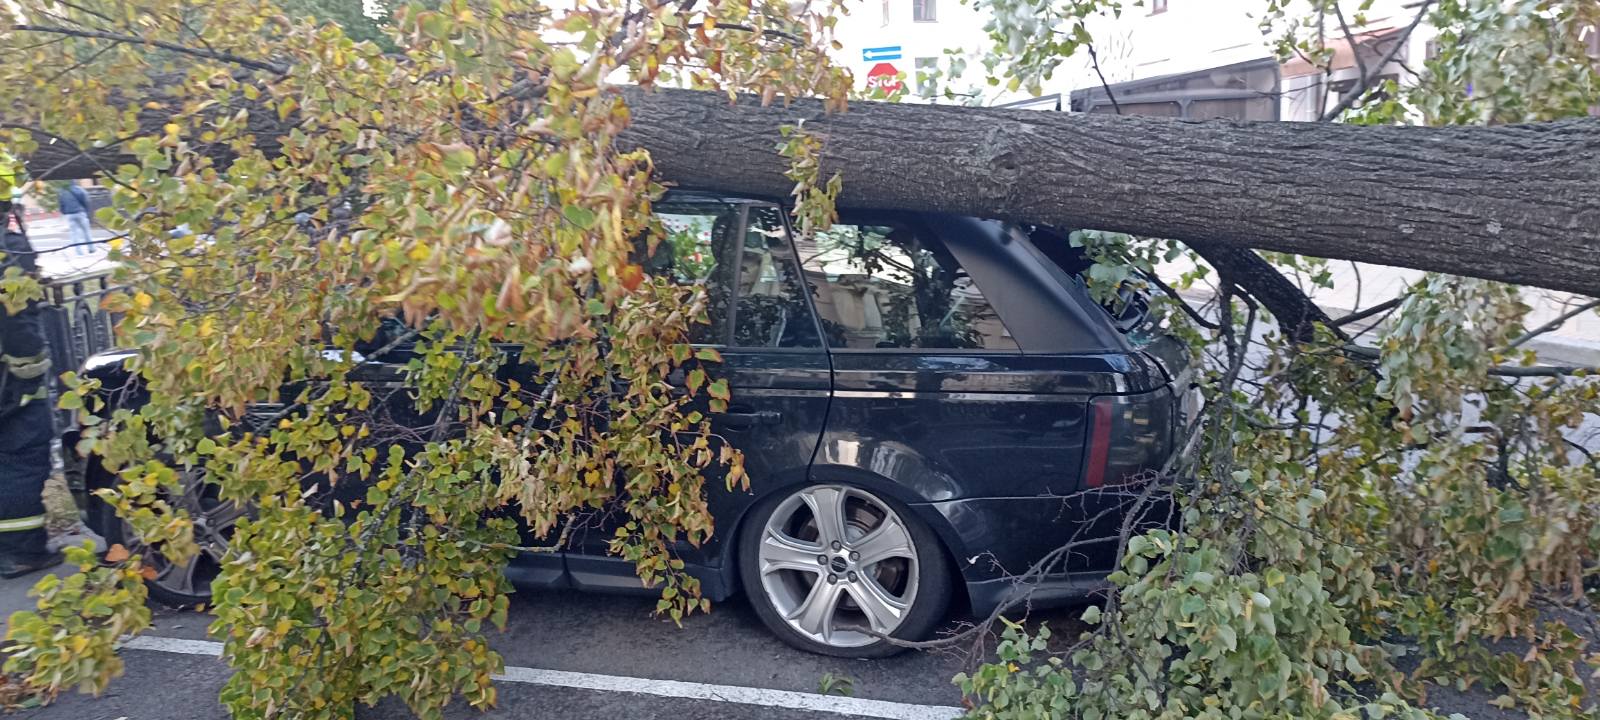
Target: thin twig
x=1191 y=312
x=1513 y=371
x=1350 y=38
x=1554 y=324
x=1369 y=312
x=1094 y=59
x=275 y=68
x=1360 y=91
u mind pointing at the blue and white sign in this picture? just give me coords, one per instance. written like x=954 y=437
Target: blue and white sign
x=880 y=54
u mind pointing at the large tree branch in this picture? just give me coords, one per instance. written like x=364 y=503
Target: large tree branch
x=1510 y=203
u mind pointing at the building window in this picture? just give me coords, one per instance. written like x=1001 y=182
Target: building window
x=927 y=76
x=1158 y=6
x=924 y=11
x=886 y=283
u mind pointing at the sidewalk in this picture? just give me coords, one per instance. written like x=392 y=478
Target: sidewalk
x=1360 y=285
x=50 y=239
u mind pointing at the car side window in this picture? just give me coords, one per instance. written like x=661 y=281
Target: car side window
x=696 y=238
x=888 y=283
x=771 y=309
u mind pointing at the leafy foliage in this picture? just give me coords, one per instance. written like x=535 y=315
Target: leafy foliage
x=70 y=639
x=1361 y=520
x=467 y=187
x=350 y=15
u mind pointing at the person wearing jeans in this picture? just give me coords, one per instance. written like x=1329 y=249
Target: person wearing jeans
x=75 y=207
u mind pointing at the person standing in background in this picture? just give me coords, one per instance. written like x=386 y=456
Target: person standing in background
x=75 y=208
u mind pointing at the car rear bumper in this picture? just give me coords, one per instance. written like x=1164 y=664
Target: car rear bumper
x=1051 y=591
x=1043 y=550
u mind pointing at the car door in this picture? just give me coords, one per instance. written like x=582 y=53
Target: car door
x=772 y=357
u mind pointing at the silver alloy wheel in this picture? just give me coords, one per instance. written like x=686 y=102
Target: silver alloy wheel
x=834 y=558
x=214 y=521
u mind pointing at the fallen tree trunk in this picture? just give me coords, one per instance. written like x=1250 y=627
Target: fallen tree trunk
x=1519 y=204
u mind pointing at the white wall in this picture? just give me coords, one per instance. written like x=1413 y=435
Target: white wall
x=1191 y=35
x=958 y=26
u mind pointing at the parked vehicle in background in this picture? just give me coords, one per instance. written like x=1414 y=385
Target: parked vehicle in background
x=928 y=405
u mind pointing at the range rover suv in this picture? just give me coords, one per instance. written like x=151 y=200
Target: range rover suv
x=928 y=406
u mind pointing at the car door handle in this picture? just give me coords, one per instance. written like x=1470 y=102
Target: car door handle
x=745 y=418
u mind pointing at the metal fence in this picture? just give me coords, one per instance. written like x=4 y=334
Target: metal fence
x=75 y=326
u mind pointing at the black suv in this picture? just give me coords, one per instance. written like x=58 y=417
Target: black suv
x=922 y=401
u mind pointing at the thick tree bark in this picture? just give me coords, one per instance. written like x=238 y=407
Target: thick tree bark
x=1519 y=204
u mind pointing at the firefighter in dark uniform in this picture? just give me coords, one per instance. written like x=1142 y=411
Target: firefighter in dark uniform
x=25 y=418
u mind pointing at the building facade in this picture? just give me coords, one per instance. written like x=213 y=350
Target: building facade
x=1175 y=58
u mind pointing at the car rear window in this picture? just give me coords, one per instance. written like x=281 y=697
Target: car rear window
x=1128 y=311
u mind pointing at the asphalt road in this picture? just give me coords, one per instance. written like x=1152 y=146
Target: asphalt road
x=610 y=654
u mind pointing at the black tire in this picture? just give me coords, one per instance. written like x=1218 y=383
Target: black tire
x=184 y=586
x=931 y=577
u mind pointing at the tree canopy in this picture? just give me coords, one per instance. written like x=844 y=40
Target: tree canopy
x=1378 y=502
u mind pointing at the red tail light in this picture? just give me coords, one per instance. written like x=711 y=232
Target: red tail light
x=1099 y=441
x=1129 y=435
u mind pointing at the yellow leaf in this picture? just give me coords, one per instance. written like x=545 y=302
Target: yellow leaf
x=143 y=300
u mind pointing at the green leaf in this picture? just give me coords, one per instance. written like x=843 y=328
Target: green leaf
x=1229 y=637
x=436 y=25
x=578 y=215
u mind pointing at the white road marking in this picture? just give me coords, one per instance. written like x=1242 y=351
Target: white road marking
x=813 y=702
